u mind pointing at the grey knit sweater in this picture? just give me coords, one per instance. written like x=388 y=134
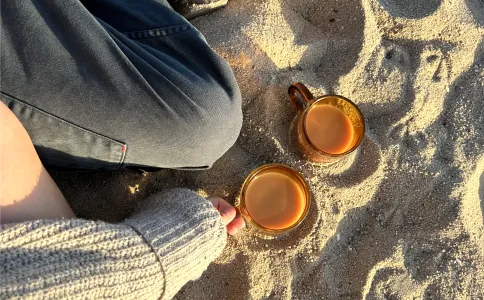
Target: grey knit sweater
x=169 y=241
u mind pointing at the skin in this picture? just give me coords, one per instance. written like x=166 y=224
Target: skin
x=230 y=215
x=27 y=192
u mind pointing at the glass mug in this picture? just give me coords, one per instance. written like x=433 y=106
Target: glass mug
x=274 y=198
x=338 y=108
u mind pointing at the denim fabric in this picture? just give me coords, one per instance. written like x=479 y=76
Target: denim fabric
x=114 y=83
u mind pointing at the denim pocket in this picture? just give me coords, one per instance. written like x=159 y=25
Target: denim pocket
x=61 y=144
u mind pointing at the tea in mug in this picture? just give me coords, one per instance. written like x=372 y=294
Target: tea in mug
x=275 y=198
x=329 y=129
x=326 y=128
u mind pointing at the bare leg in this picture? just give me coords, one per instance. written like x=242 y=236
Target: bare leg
x=27 y=192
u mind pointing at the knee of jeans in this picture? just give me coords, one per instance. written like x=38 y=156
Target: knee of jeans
x=220 y=122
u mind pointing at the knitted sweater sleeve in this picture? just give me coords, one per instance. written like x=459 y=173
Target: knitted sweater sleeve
x=170 y=240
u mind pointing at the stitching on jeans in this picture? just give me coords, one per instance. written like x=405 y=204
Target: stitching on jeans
x=62 y=120
x=158 y=32
x=124 y=148
x=121 y=157
x=84 y=163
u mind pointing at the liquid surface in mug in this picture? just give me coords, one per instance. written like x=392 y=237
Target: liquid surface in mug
x=329 y=129
x=275 y=200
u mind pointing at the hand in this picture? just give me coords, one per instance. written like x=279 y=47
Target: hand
x=230 y=215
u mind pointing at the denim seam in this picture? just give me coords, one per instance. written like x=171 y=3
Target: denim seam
x=84 y=163
x=121 y=158
x=159 y=32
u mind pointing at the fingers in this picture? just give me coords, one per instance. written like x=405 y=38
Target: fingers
x=231 y=229
x=229 y=214
x=236 y=224
x=227 y=211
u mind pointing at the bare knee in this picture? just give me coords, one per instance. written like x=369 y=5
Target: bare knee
x=14 y=140
x=27 y=190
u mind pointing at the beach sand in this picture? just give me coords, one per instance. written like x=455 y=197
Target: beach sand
x=401 y=218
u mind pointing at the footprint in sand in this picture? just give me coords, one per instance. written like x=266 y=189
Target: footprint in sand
x=392 y=282
x=387 y=58
x=423 y=259
x=432 y=76
x=381 y=85
x=412 y=9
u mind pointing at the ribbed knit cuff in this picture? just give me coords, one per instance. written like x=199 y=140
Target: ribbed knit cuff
x=76 y=259
x=184 y=230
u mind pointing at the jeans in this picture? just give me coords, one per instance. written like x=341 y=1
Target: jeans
x=105 y=84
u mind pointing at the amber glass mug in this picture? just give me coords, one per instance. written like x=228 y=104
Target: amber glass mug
x=275 y=199
x=305 y=103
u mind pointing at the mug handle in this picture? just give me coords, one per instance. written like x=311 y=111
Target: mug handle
x=305 y=94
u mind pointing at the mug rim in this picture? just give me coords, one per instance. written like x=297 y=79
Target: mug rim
x=243 y=207
x=360 y=114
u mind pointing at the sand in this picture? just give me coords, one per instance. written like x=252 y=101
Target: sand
x=401 y=218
